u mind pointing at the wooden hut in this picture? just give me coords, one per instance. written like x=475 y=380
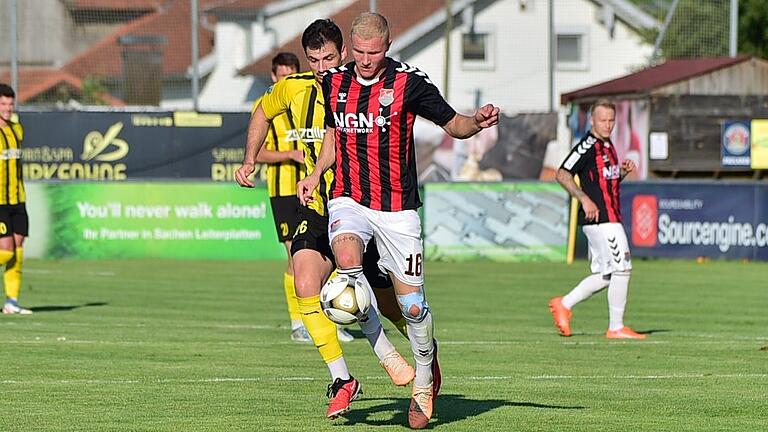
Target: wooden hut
x=685 y=104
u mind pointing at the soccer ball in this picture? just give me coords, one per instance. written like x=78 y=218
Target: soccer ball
x=345 y=299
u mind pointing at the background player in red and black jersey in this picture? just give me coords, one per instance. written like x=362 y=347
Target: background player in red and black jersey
x=595 y=161
x=371 y=105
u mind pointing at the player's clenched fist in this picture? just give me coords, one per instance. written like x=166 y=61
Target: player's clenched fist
x=487 y=116
x=242 y=174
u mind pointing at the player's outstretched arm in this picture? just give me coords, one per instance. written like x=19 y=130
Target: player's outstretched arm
x=257 y=132
x=566 y=180
x=461 y=126
x=325 y=160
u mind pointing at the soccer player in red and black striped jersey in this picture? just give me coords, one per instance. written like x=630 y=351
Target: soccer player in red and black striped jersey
x=371 y=105
x=300 y=96
x=595 y=161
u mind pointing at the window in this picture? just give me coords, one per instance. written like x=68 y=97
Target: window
x=473 y=46
x=477 y=49
x=571 y=49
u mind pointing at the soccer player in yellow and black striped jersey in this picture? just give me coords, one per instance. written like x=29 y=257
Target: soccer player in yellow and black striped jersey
x=300 y=96
x=285 y=167
x=14 y=223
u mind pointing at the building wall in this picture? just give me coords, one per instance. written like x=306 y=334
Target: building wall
x=49 y=35
x=608 y=57
x=284 y=27
x=746 y=78
x=518 y=79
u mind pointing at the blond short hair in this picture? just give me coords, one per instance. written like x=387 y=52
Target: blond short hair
x=602 y=102
x=369 y=25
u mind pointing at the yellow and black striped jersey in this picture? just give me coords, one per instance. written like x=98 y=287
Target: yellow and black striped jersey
x=282 y=176
x=11 y=180
x=300 y=97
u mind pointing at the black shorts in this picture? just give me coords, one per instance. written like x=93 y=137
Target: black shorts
x=376 y=277
x=312 y=233
x=285 y=210
x=14 y=220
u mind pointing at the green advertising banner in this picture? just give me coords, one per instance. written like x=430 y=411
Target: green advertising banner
x=151 y=220
x=495 y=221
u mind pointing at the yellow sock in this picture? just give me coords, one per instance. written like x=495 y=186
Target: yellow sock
x=290 y=297
x=320 y=328
x=11 y=289
x=401 y=326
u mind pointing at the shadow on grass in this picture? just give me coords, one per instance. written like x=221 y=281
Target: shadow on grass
x=61 y=308
x=653 y=331
x=449 y=408
x=574 y=335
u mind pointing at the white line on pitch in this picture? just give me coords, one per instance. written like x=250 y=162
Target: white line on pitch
x=376 y=378
x=101 y=273
x=645 y=377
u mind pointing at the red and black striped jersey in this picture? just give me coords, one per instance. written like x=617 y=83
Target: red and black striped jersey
x=597 y=165
x=373 y=122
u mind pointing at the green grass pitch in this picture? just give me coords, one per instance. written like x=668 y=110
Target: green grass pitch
x=203 y=346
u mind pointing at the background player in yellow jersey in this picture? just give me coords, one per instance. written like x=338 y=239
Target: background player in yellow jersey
x=300 y=95
x=14 y=223
x=285 y=168
x=284 y=157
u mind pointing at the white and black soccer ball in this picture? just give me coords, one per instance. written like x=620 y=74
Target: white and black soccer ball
x=345 y=299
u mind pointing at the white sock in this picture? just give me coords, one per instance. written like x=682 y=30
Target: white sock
x=372 y=329
x=584 y=290
x=371 y=324
x=338 y=369
x=296 y=324
x=420 y=335
x=617 y=299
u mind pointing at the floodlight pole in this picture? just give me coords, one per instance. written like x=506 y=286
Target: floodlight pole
x=447 y=35
x=195 y=59
x=15 y=47
x=663 y=31
x=734 y=28
x=551 y=24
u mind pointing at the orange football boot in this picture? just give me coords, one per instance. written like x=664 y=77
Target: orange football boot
x=624 y=333
x=561 y=315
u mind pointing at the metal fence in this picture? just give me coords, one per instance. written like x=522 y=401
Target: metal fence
x=214 y=54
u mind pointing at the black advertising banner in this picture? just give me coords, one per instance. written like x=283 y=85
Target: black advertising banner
x=118 y=146
x=689 y=220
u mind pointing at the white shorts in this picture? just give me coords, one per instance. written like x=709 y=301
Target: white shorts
x=608 y=248
x=397 y=234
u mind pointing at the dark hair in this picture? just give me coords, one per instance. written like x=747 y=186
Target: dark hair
x=320 y=32
x=285 y=59
x=7 y=91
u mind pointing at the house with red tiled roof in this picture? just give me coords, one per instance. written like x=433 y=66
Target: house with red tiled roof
x=156 y=48
x=42 y=85
x=249 y=30
x=108 y=42
x=496 y=51
x=498 y=48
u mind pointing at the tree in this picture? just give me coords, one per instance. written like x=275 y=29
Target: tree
x=701 y=28
x=753 y=27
